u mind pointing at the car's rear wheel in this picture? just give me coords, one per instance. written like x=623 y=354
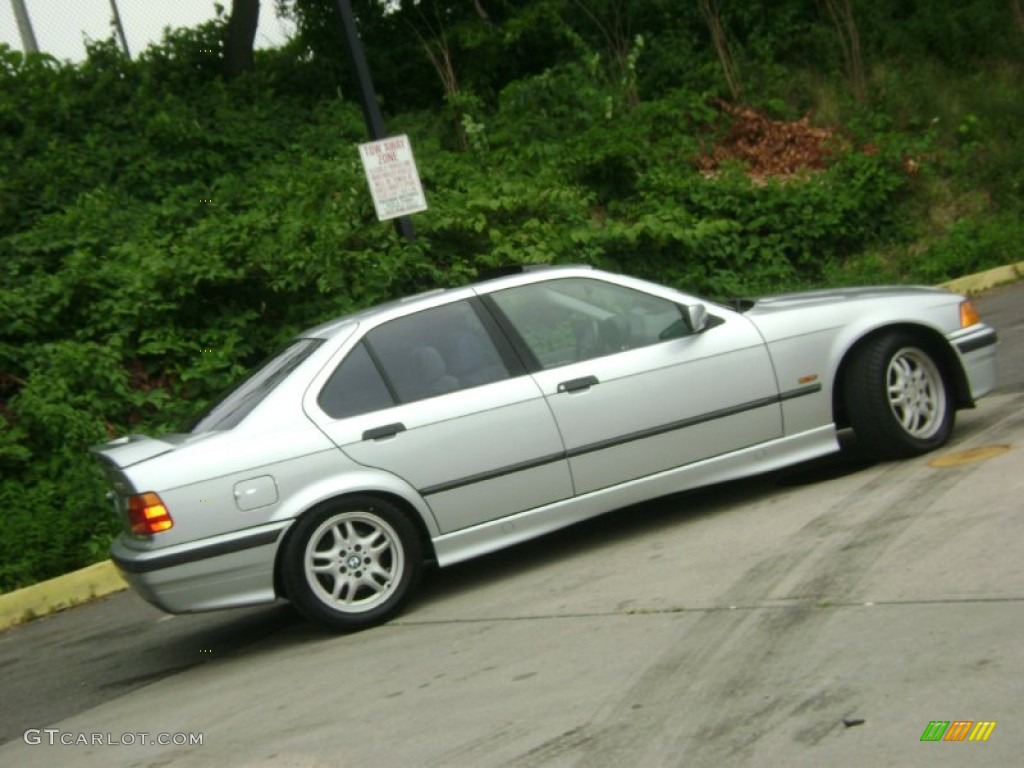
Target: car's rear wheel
x=352 y=563
x=897 y=398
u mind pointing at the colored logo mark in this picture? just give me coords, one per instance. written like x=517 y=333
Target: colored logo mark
x=958 y=730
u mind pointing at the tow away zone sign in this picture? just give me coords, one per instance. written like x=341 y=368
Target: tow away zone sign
x=392 y=176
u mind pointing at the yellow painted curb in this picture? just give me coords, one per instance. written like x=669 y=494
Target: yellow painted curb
x=982 y=281
x=62 y=592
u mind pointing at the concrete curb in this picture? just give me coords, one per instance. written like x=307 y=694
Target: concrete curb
x=59 y=593
x=103 y=579
x=982 y=281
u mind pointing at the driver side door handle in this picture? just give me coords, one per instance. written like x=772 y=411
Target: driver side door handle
x=578 y=385
x=380 y=433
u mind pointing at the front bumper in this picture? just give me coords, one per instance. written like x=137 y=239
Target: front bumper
x=976 y=347
x=228 y=571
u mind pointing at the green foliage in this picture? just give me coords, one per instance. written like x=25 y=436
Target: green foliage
x=968 y=245
x=162 y=230
x=954 y=33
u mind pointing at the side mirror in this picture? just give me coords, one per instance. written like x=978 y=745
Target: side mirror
x=696 y=316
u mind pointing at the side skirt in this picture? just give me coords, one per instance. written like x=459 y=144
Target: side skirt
x=504 y=532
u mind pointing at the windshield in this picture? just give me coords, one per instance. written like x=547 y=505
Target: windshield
x=230 y=410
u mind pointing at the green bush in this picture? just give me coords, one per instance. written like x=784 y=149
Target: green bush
x=161 y=230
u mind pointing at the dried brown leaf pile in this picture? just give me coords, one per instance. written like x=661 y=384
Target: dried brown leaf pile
x=770 y=148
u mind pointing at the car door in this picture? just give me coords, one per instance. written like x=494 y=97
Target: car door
x=435 y=398
x=633 y=388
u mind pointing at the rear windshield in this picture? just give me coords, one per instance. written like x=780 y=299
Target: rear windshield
x=230 y=410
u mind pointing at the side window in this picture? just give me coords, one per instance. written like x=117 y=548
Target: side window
x=355 y=387
x=436 y=351
x=440 y=350
x=575 y=319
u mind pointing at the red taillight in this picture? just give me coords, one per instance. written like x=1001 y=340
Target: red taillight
x=148 y=515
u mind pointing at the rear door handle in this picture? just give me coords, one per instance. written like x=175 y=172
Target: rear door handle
x=578 y=385
x=388 y=430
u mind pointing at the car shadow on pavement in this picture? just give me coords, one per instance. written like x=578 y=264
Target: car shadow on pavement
x=617 y=528
x=848 y=461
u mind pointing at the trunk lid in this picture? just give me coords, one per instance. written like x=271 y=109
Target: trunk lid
x=132 y=449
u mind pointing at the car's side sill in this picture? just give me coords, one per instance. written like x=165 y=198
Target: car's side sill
x=497 y=534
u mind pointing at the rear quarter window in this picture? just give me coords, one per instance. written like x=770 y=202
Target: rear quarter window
x=229 y=411
x=355 y=387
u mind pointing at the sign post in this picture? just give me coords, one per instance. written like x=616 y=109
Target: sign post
x=371 y=110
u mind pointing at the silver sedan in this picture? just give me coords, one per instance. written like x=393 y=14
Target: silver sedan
x=457 y=422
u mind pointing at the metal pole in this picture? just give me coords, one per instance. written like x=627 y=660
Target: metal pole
x=367 y=95
x=119 y=28
x=28 y=37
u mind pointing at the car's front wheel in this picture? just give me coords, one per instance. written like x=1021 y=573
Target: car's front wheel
x=897 y=398
x=352 y=563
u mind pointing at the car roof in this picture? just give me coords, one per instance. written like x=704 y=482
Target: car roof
x=506 y=277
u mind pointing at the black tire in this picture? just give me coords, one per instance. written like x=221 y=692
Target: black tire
x=898 y=398
x=352 y=563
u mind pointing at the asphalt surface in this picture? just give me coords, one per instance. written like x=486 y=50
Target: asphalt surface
x=823 y=615
x=1003 y=309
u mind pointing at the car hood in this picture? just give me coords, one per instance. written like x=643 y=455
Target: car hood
x=835 y=296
